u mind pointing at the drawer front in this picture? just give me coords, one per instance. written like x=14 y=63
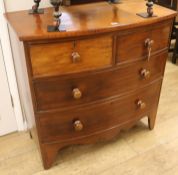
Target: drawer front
x=141 y=42
x=68 y=57
x=76 y=90
x=81 y=122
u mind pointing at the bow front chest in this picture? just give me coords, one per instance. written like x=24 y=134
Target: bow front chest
x=102 y=75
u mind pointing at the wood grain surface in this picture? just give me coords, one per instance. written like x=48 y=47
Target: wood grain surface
x=59 y=126
x=56 y=93
x=94 y=79
x=132 y=46
x=88 y=19
x=56 y=58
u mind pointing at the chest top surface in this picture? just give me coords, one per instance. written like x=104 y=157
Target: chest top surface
x=85 y=19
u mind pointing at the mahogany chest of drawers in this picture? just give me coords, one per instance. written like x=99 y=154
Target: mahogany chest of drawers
x=100 y=76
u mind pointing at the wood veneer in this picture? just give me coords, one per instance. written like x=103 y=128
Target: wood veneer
x=117 y=82
x=136 y=48
x=58 y=58
x=85 y=20
x=56 y=93
x=97 y=117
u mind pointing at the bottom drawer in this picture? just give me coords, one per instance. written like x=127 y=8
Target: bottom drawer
x=81 y=122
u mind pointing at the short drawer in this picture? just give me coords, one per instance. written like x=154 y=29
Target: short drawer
x=137 y=44
x=73 y=90
x=82 y=122
x=69 y=57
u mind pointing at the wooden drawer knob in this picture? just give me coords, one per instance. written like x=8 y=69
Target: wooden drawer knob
x=145 y=73
x=77 y=94
x=75 y=57
x=149 y=44
x=141 y=104
x=78 y=126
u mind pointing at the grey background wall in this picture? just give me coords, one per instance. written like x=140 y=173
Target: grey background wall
x=15 y=5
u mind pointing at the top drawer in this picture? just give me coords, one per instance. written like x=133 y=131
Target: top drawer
x=73 y=56
x=133 y=45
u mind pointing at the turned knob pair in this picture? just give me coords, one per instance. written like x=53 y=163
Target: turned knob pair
x=78 y=125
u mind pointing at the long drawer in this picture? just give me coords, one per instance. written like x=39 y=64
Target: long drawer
x=75 y=90
x=81 y=122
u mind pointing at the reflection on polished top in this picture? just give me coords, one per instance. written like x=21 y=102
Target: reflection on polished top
x=85 y=19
